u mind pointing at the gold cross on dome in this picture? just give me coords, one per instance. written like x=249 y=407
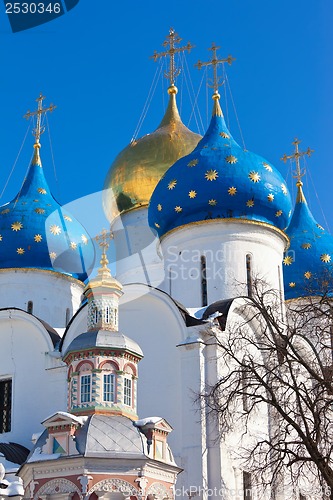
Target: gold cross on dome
x=39 y=129
x=299 y=173
x=172 y=40
x=215 y=61
x=103 y=239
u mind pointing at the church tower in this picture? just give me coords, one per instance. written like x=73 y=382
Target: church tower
x=102 y=362
x=45 y=253
x=308 y=263
x=133 y=177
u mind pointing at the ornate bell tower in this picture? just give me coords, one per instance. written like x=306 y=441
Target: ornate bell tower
x=102 y=362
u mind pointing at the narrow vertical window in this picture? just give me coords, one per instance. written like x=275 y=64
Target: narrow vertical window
x=85 y=388
x=115 y=312
x=203 y=281
x=95 y=315
x=5 y=405
x=249 y=282
x=127 y=391
x=108 y=387
x=68 y=315
x=280 y=291
x=244 y=391
x=107 y=314
x=30 y=307
x=247 y=486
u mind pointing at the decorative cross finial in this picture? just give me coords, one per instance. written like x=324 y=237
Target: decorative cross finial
x=215 y=62
x=171 y=41
x=104 y=239
x=39 y=129
x=299 y=173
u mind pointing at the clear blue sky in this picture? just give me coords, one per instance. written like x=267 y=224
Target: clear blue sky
x=93 y=63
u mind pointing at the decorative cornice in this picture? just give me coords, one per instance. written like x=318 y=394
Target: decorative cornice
x=229 y=221
x=106 y=352
x=44 y=271
x=115 y=485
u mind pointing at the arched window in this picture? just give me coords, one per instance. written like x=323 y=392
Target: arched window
x=109 y=382
x=203 y=275
x=128 y=386
x=249 y=282
x=95 y=315
x=128 y=391
x=170 y=281
x=85 y=383
x=244 y=389
x=247 y=485
x=68 y=315
x=30 y=307
x=281 y=291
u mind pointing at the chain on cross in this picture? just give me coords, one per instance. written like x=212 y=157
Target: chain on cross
x=215 y=61
x=39 y=129
x=172 y=40
x=299 y=173
x=103 y=239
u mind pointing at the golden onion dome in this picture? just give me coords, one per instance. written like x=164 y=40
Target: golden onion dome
x=137 y=169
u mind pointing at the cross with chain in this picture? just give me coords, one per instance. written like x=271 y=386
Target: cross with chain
x=39 y=130
x=296 y=157
x=104 y=239
x=172 y=40
x=215 y=61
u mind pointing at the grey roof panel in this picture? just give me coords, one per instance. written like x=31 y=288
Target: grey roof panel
x=110 y=434
x=104 y=338
x=14 y=452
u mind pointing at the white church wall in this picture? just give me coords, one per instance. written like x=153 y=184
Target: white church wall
x=36 y=391
x=246 y=430
x=137 y=249
x=193 y=430
x=50 y=293
x=225 y=245
x=77 y=326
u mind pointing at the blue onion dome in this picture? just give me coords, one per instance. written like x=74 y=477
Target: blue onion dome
x=36 y=232
x=219 y=180
x=308 y=264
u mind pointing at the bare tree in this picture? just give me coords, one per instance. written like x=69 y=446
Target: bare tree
x=276 y=367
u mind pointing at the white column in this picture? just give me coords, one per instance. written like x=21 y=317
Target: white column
x=193 y=433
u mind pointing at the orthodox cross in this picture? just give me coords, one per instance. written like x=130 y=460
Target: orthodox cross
x=172 y=40
x=103 y=239
x=39 y=130
x=215 y=61
x=296 y=157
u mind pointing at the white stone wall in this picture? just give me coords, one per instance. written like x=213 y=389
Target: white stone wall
x=51 y=294
x=38 y=378
x=225 y=245
x=137 y=249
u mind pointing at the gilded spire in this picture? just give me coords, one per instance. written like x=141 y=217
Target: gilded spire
x=299 y=173
x=216 y=83
x=104 y=239
x=39 y=129
x=172 y=40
